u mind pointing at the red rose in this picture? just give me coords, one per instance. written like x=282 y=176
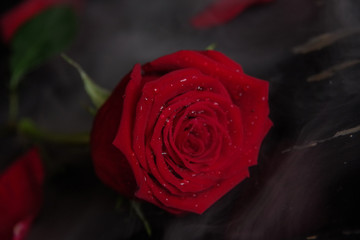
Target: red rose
x=181 y=131
x=20 y=195
x=222 y=11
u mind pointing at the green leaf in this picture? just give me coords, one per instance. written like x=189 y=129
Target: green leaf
x=97 y=94
x=42 y=37
x=30 y=129
x=137 y=207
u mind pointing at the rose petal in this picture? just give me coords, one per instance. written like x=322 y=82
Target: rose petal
x=20 y=195
x=16 y=17
x=108 y=161
x=222 y=11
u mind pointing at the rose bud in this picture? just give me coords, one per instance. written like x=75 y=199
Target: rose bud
x=181 y=131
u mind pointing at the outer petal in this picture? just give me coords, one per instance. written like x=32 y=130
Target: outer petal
x=222 y=11
x=110 y=164
x=124 y=136
x=20 y=195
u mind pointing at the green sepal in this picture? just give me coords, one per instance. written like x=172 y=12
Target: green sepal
x=97 y=94
x=211 y=47
x=137 y=208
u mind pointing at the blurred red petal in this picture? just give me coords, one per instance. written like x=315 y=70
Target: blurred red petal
x=20 y=195
x=222 y=11
x=17 y=16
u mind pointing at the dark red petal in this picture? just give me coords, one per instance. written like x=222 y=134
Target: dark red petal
x=110 y=164
x=20 y=195
x=196 y=202
x=222 y=11
x=124 y=135
x=203 y=61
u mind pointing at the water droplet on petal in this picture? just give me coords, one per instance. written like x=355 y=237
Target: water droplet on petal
x=183 y=80
x=196 y=205
x=194 y=195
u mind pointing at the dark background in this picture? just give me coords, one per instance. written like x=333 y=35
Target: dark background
x=312 y=193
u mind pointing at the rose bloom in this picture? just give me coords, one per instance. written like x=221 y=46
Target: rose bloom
x=181 y=131
x=20 y=195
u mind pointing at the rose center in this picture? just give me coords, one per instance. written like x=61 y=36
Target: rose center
x=195 y=139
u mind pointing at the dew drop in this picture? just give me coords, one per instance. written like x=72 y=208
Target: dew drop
x=263 y=98
x=218 y=184
x=166 y=199
x=182 y=184
x=237 y=70
x=196 y=205
x=194 y=195
x=252 y=123
x=145 y=98
x=183 y=80
x=216 y=104
x=149 y=192
x=164 y=184
x=240 y=94
x=145 y=179
x=155 y=89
